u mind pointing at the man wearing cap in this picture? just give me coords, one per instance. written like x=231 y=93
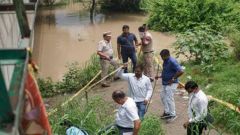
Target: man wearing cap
x=105 y=51
x=126 y=43
x=147 y=49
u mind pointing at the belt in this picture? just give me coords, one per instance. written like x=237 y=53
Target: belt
x=148 y=52
x=126 y=128
x=111 y=57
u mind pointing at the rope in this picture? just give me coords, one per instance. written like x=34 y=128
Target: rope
x=75 y=95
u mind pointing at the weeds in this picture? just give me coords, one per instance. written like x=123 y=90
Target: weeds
x=75 y=78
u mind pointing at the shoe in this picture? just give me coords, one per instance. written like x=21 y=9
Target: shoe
x=105 y=85
x=165 y=116
x=171 y=119
x=116 y=78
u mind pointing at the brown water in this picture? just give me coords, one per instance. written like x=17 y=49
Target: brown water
x=65 y=35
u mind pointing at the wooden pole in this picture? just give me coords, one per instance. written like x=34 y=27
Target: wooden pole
x=22 y=18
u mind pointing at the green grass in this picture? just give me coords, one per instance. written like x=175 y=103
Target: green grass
x=222 y=83
x=74 y=79
x=96 y=115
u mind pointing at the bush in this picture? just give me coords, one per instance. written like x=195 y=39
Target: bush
x=181 y=15
x=202 y=45
x=75 y=78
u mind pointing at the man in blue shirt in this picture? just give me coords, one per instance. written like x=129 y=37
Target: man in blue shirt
x=170 y=73
x=126 y=43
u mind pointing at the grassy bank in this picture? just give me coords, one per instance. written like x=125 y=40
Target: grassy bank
x=74 y=79
x=223 y=84
x=96 y=115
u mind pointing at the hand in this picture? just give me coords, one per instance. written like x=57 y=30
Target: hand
x=119 y=56
x=185 y=125
x=171 y=81
x=156 y=77
x=125 y=65
x=146 y=102
x=108 y=58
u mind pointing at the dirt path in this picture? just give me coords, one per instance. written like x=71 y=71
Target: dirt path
x=174 y=128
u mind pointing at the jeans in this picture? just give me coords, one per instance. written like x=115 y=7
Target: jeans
x=141 y=109
x=167 y=97
x=132 y=56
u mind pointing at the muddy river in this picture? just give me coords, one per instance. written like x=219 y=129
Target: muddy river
x=65 y=35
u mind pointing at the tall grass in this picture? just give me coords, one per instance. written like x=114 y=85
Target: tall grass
x=75 y=78
x=95 y=116
x=90 y=117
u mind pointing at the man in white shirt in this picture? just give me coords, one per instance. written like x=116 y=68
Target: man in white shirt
x=140 y=87
x=127 y=119
x=105 y=52
x=197 y=109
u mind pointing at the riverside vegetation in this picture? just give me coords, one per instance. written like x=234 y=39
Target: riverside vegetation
x=202 y=28
x=95 y=116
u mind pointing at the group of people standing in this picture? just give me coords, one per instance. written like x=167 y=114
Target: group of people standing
x=133 y=107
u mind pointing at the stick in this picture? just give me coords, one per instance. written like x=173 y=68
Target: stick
x=154 y=86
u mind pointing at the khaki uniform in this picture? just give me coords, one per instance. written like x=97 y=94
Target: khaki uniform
x=148 y=55
x=106 y=48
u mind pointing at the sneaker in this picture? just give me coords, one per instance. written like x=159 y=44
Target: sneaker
x=105 y=85
x=171 y=119
x=165 y=116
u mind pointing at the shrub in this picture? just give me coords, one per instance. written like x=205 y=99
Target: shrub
x=75 y=78
x=202 y=45
x=181 y=15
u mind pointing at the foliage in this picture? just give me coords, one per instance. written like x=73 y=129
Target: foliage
x=181 y=15
x=91 y=117
x=47 y=87
x=151 y=126
x=202 y=45
x=235 y=42
x=222 y=84
x=121 y=5
x=75 y=78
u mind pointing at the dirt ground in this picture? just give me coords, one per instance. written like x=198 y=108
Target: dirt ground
x=156 y=107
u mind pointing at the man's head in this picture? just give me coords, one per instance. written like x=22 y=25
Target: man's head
x=107 y=36
x=125 y=29
x=165 y=54
x=119 y=97
x=138 y=71
x=191 y=86
x=141 y=31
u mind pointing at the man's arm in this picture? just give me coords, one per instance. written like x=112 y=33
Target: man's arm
x=102 y=55
x=137 y=125
x=149 y=91
x=123 y=75
x=135 y=40
x=119 y=50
